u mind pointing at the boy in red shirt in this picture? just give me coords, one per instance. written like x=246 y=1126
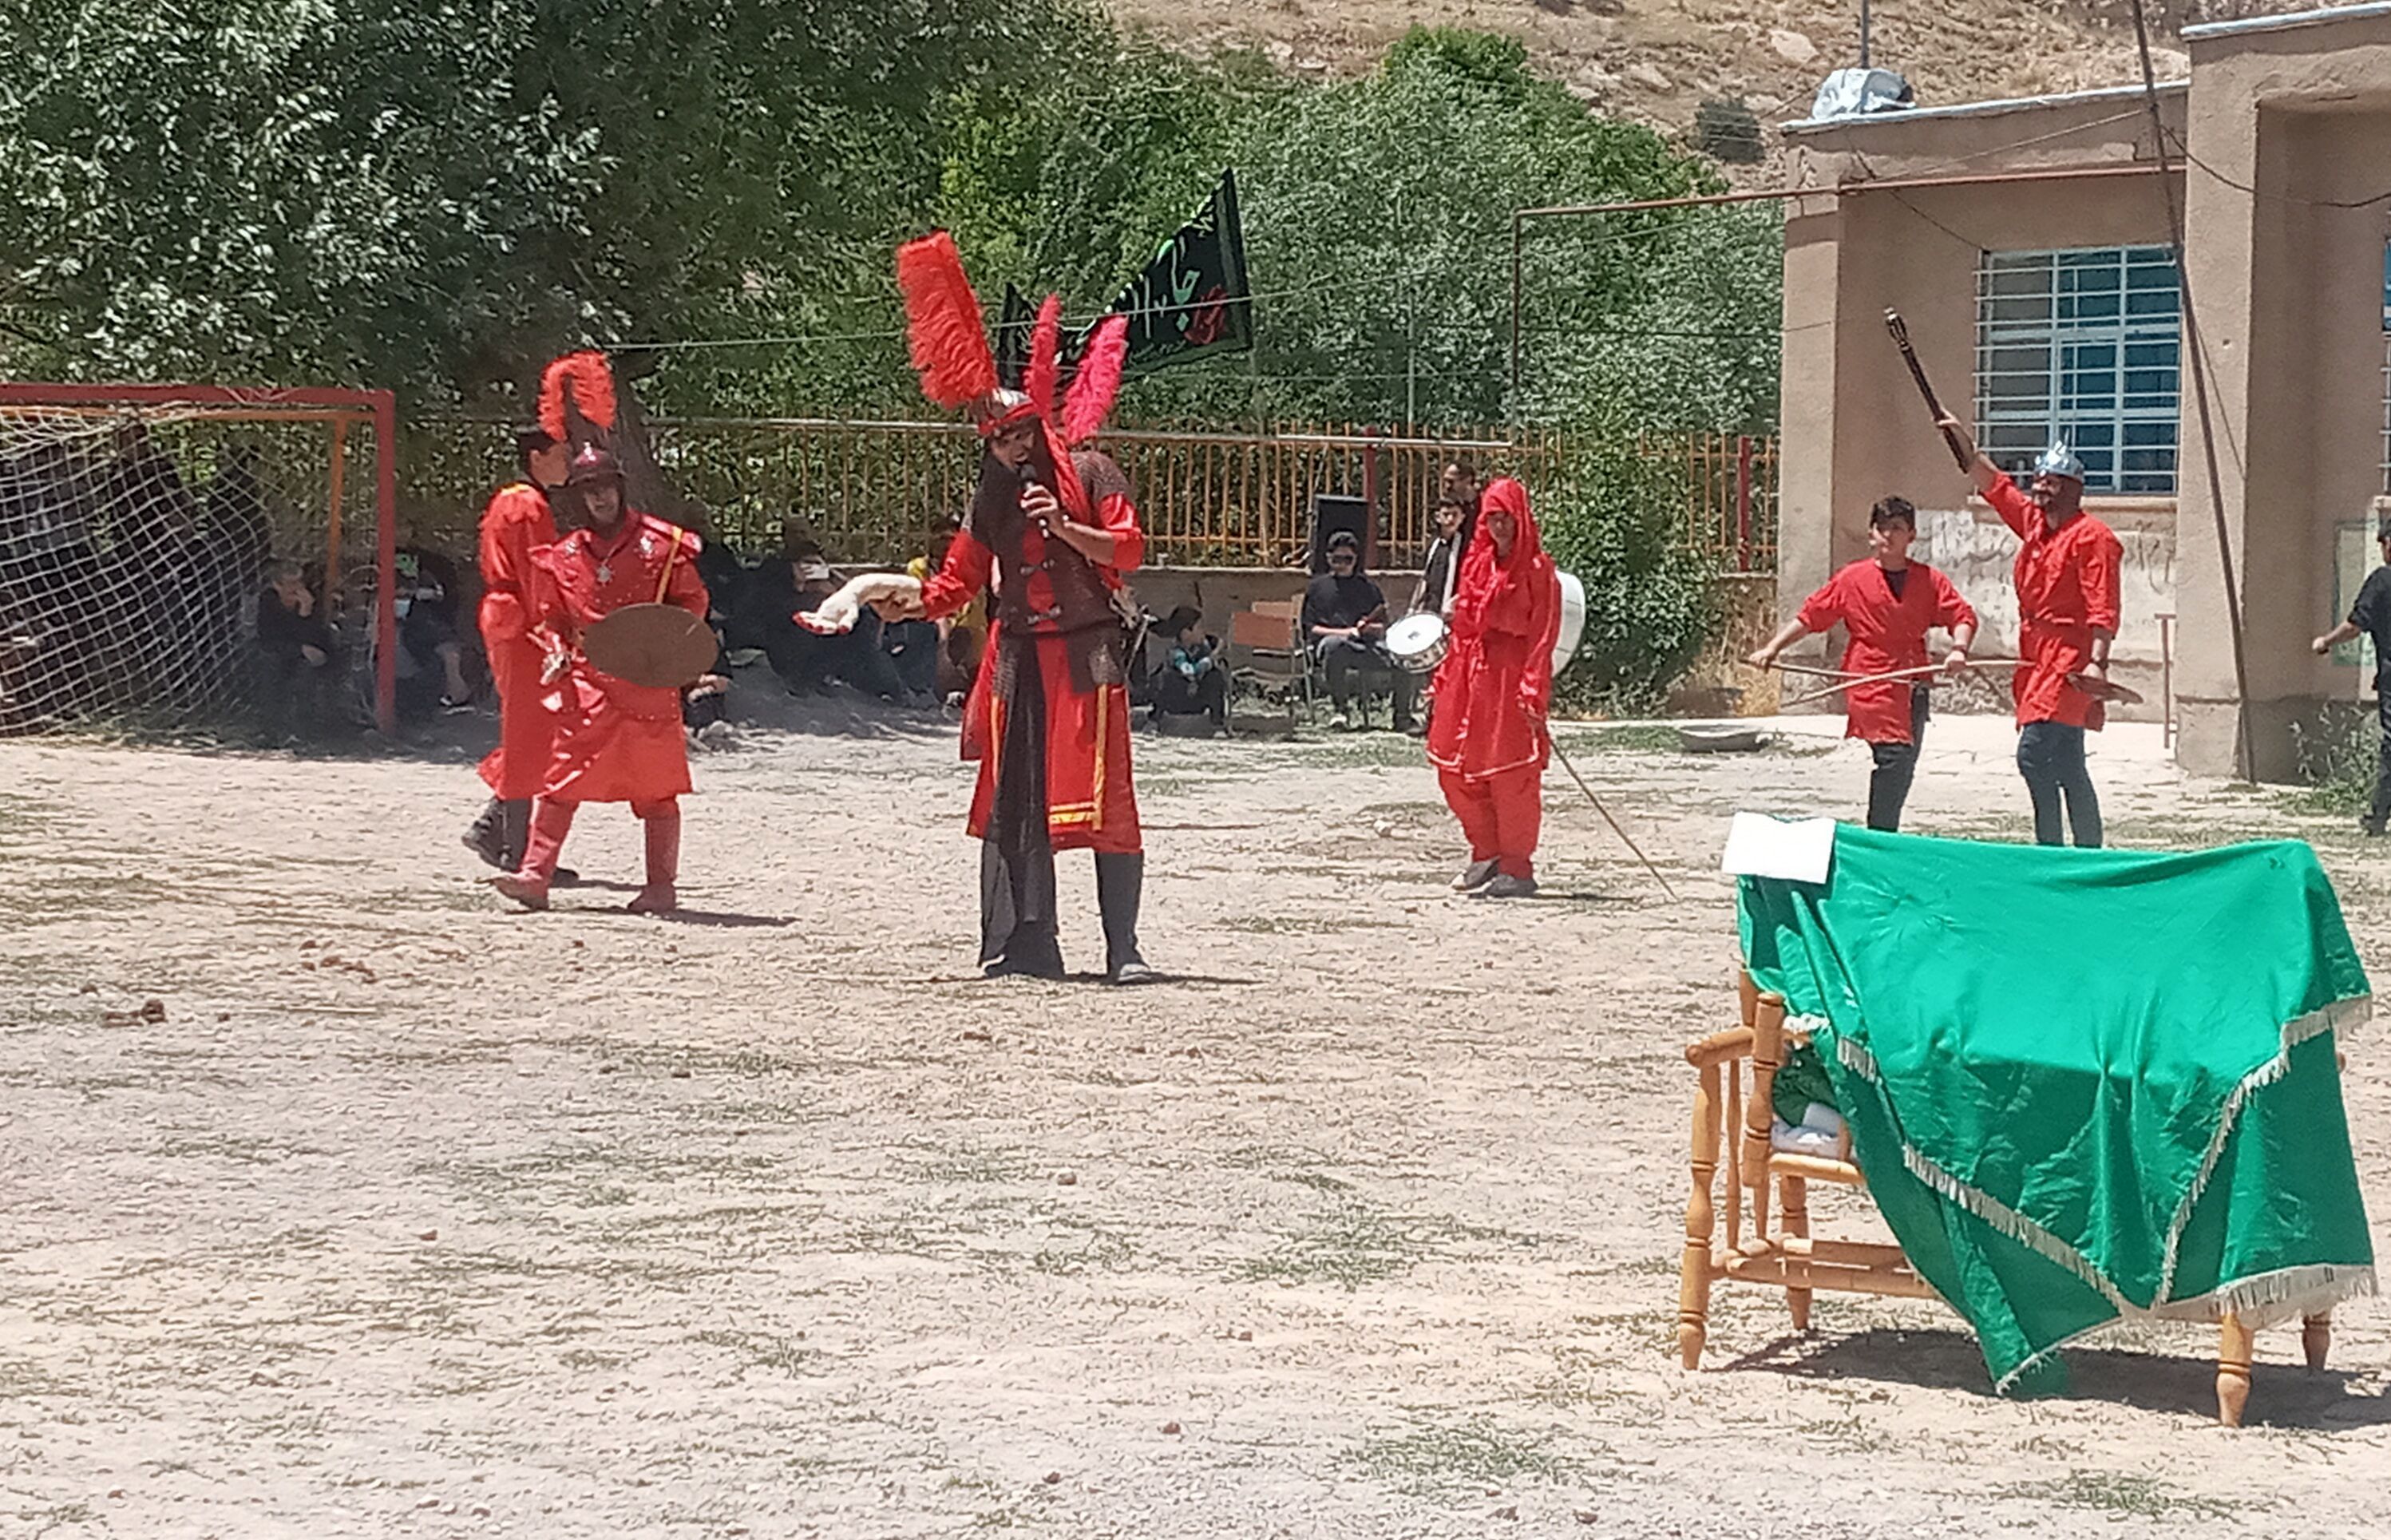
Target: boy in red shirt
x=1886 y=603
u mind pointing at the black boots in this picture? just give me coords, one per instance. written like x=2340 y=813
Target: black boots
x=499 y=834
x=1120 y=882
x=487 y=837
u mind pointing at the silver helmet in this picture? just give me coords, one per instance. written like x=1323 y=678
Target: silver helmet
x=2060 y=460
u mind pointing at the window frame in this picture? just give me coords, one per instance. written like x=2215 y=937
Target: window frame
x=2088 y=341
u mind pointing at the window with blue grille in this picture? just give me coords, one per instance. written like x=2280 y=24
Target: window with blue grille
x=2082 y=345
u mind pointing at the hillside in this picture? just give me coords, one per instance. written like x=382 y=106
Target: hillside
x=1656 y=61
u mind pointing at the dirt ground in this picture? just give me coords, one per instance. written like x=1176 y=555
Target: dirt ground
x=415 y=1216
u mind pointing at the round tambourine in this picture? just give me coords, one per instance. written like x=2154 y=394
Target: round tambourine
x=662 y=646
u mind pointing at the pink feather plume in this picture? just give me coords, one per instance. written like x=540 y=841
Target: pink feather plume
x=1098 y=381
x=1041 y=381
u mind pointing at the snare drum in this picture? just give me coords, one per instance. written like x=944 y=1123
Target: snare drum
x=1418 y=641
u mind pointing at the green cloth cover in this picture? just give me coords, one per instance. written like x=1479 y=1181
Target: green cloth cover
x=2083 y=1084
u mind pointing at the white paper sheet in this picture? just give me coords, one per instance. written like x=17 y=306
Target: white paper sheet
x=1793 y=849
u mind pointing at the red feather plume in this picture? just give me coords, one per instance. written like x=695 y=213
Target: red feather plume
x=1098 y=381
x=585 y=379
x=1042 y=379
x=942 y=322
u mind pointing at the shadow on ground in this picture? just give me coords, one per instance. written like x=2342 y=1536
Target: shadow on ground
x=2281 y=1395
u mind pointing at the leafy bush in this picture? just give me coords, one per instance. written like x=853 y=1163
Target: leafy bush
x=1726 y=130
x=1610 y=515
x=2336 y=757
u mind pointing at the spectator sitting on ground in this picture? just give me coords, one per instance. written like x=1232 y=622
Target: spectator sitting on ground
x=855 y=657
x=913 y=645
x=428 y=600
x=1345 y=625
x=1194 y=681
x=705 y=708
x=961 y=636
x=297 y=659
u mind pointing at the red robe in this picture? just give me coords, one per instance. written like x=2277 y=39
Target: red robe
x=1883 y=634
x=617 y=741
x=2066 y=588
x=516 y=523
x=1091 y=801
x=1495 y=685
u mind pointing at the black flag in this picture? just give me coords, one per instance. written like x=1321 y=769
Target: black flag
x=1012 y=329
x=1193 y=300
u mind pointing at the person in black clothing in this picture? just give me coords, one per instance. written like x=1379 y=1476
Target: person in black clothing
x=300 y=665
x=2370 y=615
x=428 y=593
x=807 y=661
x=1434 y=594
x=1345 y=625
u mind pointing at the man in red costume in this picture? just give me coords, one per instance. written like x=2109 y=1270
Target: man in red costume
x=517 y=523
x=1886 y=603
x=1487 y=738
x=1051 y=532
x=615 y=741
x=2066 y=575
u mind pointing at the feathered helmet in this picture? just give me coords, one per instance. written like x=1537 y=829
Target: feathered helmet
x=577 y=398
x=958 y=368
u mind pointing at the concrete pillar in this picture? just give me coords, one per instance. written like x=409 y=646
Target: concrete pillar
x=2235 y=264
x=1806 y=411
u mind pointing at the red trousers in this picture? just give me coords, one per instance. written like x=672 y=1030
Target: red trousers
x=1501 y=816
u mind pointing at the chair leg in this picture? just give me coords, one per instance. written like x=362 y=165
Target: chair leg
x=1796 y=1224
x=1701 y=1223
x=2316 y=1339
x=2234 y=1350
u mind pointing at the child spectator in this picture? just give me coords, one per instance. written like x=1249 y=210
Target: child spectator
x=1192 y=683
x=299 y=664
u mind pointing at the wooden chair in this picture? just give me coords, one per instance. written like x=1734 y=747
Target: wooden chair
x=1733 y=1111
x=1262 y=657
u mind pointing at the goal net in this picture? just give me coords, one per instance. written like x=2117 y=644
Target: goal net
x=142 y=527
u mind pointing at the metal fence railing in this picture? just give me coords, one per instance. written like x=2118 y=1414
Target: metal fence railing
x=873 y=491
x=1730 y=481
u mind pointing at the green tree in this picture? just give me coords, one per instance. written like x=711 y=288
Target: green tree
x=1612 y=516
x=439 y=196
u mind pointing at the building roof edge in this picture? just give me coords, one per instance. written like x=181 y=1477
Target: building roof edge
x=2283 y=23
x=1985 y=108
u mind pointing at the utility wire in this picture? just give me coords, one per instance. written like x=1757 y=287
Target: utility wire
x=2247 y=760
x=1385 y=280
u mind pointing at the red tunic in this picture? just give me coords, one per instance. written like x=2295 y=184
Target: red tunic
x=1495 y=685
x=516 y=523
x=1883 y=634
x=1091 y=801
x=2067 y=588
x=617 y=741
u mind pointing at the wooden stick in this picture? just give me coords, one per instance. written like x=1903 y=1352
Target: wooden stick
x=1920 y=673
x=1607 y=818
x=1900 y=329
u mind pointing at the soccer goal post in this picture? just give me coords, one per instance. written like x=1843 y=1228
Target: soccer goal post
x=140 y=522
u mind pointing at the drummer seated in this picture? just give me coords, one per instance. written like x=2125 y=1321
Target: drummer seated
x=1345 y=627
